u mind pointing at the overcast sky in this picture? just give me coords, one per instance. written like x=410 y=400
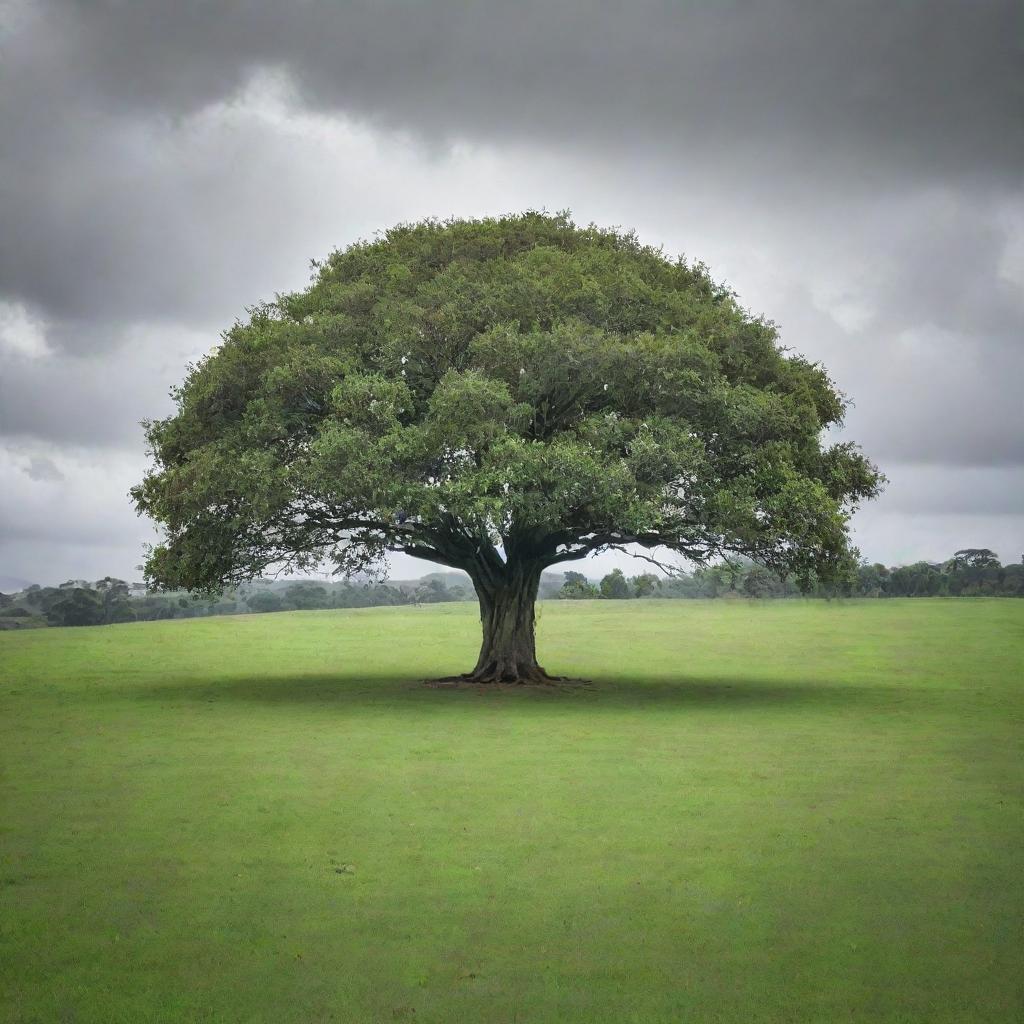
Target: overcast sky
x=854 y=170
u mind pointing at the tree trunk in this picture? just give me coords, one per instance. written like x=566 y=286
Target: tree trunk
x=509 y=650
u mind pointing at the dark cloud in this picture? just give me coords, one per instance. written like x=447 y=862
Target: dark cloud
x=933 y=88
x=779 y=95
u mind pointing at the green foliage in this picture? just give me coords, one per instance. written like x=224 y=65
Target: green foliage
x=615 y=587
x=577 y=587
x=265 y=601
x=15 y=611
x=760 y=582
x=974 y=558
x=307 y=596
x=77 y=603
x=77 y=607
x=971 y=572
x=432 y=591
x=506 y=391
x=645 y=585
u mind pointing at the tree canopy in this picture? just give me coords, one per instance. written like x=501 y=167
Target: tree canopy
x=499 y=396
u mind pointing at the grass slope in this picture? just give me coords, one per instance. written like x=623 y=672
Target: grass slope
x=780 y=812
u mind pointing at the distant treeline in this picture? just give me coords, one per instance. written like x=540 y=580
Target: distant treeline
x=972 y=572
x=80 y=603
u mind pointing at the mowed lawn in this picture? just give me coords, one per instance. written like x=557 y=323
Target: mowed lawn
x=790 y=811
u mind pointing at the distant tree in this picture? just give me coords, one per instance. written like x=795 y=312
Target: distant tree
x=615 y=586
x=432 y=591
x=121 y=611
x=154 y=606
x=713 y=580
x=227 y=605
x=975 y=558
x=645 y=584
x=307 y=596
x=113 y=594
x=42 y=597
x=759 y=582
x=578 y=588
x=1013 y=580
x=500 y=396
x=381 y=594
x=77 y=607
x=680 y=585
x=872 y=579
x=264 y=601
x=733 y=571
x=975 y=572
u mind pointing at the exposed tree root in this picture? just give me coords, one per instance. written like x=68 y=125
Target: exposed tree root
x=509 y=674
x=492 y=676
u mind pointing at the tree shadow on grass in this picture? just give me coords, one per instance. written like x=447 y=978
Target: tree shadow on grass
x=368 y=691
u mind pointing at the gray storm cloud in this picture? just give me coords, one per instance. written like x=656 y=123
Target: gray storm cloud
x=932 y=89
x=852 y=168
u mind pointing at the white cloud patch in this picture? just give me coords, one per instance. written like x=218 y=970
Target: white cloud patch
x=22 y=335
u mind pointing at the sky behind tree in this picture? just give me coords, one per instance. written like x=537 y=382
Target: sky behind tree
x=851 y=169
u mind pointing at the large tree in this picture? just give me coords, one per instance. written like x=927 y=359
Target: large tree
x=499 y=396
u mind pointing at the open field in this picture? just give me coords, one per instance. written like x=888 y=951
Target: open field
x=757 y=812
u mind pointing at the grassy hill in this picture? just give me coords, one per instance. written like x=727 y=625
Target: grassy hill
x=791 y=811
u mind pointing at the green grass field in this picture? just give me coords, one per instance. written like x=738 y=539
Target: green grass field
x=784 y=811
